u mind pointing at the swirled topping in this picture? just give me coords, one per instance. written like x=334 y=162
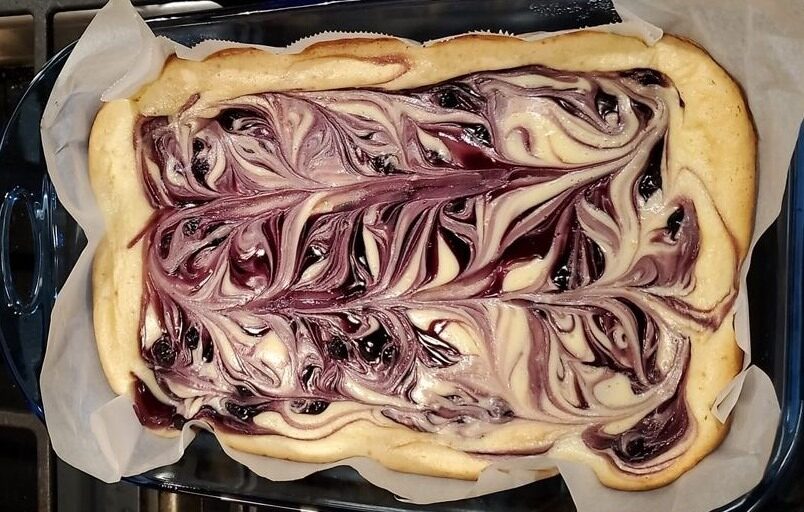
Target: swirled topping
x=495 y=250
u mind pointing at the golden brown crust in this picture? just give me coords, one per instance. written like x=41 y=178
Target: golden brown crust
x=116 y=269
x=712 y=148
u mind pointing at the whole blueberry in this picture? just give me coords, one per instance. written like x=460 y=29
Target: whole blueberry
x=163 y=352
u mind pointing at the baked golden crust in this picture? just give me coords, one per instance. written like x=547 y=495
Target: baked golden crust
x=713 y=149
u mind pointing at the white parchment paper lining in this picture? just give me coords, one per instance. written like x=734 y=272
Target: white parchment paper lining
x=96 y=431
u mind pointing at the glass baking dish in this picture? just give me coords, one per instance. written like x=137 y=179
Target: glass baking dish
x=40 y=242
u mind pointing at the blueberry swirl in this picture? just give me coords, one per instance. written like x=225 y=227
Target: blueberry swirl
x=497 y=249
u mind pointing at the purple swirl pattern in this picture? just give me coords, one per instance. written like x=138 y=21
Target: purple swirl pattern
x=489 y=250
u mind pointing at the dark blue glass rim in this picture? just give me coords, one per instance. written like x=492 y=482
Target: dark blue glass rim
x=55 y=63
x=789 y=434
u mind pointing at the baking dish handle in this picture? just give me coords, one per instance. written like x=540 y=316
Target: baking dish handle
x=21 y=217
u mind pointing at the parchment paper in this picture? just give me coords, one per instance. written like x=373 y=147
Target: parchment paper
x=96 y=431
